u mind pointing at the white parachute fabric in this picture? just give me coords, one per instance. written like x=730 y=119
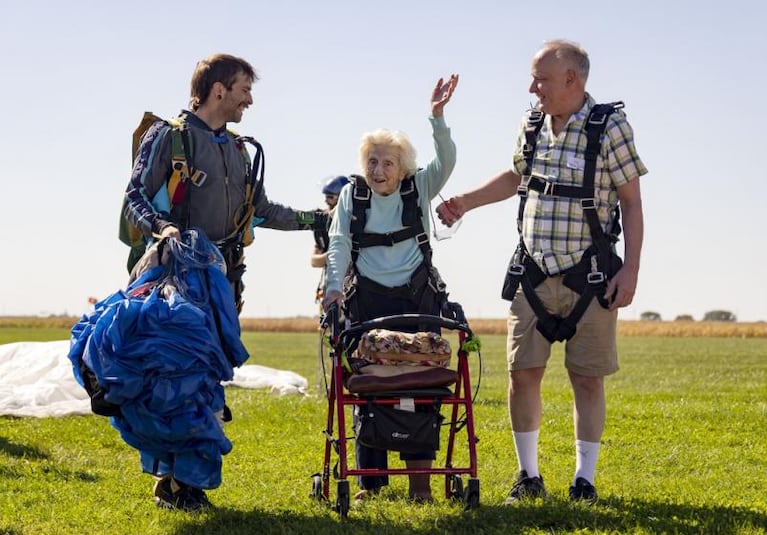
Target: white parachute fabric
x=36 y=380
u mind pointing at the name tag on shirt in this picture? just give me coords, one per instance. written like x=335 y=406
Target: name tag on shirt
x=574 y=162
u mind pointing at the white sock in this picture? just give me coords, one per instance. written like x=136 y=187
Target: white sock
x=586 y=454
x=526 y=444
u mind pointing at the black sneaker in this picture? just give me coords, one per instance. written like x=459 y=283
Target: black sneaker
x=583 y=491
x=526 y=488
x=185 y=498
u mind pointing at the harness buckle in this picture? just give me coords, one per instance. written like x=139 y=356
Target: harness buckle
x=410 y=182
x=422 y=238
x=518 y=270
x=180 y=166
x=522 y=190
x=528 y=149
x=595 y=277
x=598 y=118
x=198 y=178
x=536 y=116
x=540 y=185
x=588 y=204
x=357 y=196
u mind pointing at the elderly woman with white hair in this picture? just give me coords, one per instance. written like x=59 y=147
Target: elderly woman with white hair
x=381 y=230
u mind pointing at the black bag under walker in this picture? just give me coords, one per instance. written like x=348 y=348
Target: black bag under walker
x=386 y=427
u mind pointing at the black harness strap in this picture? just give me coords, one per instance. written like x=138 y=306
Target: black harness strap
x=411 y=220
x=545 y=187
x=584 y=278
x=589 y=277
x=184 y=132
x=425 y=281
x=388 y=239
x=595 y=126
x=532 y=129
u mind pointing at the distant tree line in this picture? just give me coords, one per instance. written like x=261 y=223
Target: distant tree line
x=711 y=315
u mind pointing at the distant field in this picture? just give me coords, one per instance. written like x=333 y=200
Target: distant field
x=683 y=453
x=480 y=326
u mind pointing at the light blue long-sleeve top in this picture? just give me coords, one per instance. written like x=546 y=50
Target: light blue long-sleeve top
x=389 y=266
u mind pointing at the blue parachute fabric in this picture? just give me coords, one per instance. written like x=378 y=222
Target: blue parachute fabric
x=160 y=349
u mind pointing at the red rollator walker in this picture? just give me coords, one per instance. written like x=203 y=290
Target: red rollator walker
x=377 y=423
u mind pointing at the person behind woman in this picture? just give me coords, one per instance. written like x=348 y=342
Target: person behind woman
x=390 y=278
x=330 y=191
x=331 y=188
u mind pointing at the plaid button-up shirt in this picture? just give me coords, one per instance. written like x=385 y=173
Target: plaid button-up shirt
x=554 y=229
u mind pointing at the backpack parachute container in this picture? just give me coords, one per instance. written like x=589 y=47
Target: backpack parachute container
x=129 y=234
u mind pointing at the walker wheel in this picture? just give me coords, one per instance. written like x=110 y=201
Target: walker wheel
x=317 y=488
x=456 y=487
x=471 y=495
x=342 y=498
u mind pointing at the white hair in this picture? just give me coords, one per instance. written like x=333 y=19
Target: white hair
x=389 y=138
x=571 y=52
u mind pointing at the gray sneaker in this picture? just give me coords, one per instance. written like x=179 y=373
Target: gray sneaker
x=526 y=488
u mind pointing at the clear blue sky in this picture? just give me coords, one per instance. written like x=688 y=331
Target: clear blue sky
x=79 y=74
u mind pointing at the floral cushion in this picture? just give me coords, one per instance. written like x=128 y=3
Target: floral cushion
x=394 y=348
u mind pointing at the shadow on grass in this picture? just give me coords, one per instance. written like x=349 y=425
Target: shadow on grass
x=21 y=450
x=47 y=469
x=52 y=473
x=616 y=514
x=555 y=516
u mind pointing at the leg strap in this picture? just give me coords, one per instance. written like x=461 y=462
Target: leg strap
x=557 y=328
x=234 y=256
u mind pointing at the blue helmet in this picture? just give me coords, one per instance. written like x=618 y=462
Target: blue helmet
x=334 y=185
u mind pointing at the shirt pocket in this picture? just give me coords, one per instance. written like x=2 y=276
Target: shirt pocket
x=570 y=177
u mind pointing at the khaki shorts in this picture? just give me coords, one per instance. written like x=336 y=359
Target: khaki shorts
x=590 y=352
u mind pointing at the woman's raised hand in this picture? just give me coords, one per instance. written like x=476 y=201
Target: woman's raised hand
x=442 y=93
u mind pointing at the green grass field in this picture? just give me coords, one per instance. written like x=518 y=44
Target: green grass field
x=685 y=451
